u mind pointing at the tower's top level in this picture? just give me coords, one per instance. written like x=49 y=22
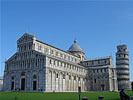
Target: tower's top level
x=122 y=48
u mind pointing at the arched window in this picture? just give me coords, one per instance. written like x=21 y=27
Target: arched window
x=63 y=76
x=69 y=77
x=79 y=79
x=23 y=74
x=56 y=75
x=34 y=76
x=12 y=78
x=50 y=62
x=95 y=81
x=74 y=77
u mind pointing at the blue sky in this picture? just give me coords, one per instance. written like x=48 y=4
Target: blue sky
x=99 y=26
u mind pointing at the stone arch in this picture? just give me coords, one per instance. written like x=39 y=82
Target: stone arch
x=35 y=76
x=79 y=81
x=69 y=82
x=75 y=82
x=63 y=81
x=50 y=79
x=54 y=80
x=57 y=80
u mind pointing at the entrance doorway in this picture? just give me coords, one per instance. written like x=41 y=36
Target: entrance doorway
x=23 y=84
x=12 y=85
x=34 y=85
x=102 y=87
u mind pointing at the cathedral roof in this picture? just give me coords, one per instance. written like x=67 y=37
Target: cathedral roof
x=75 y=47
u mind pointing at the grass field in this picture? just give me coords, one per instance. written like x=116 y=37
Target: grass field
x=59 y=96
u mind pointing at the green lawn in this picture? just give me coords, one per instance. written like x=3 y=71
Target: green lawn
x=59 y=96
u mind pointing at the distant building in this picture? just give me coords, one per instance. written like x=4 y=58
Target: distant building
x=38 y=66
x=1 y=83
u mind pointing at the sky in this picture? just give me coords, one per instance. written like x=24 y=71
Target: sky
x=99 y=26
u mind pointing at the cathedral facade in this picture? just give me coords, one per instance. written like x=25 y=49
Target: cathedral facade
x=38 y=66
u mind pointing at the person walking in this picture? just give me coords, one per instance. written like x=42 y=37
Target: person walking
x=123 y=95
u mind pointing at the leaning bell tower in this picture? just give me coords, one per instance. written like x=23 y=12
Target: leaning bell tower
x=122 y=66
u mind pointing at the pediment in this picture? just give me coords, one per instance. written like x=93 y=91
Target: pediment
x=25 y=38
x=12 y=58
x=16 y=56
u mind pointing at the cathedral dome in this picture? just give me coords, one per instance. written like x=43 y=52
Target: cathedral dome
x=75 y=47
